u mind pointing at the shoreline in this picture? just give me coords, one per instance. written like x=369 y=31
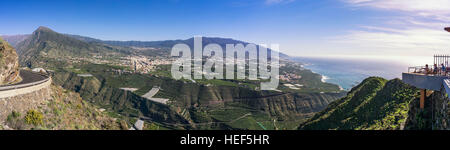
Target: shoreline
x=349 y=72
x=325 y=78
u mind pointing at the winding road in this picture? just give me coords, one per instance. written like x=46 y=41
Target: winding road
x=28 y=79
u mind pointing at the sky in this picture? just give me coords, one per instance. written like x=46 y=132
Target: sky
x=345 y=28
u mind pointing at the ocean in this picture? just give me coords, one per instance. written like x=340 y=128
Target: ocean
x=349 y=72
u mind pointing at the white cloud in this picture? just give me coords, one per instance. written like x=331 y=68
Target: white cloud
x=389 y=41
x=416 y=29
x=438 y=9
x=406 y=5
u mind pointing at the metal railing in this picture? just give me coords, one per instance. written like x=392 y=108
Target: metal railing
x=416 y=69
x=430 y=71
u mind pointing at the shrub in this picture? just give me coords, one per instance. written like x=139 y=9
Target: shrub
x=13 y=116
x=15 y=121
x=34 y=117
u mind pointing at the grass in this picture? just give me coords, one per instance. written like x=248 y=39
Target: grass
x=237 y=117
x=227 y=114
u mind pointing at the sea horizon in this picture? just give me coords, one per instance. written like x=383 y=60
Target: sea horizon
x=348 y=72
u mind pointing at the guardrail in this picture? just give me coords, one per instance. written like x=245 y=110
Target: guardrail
x=416 y=69
x=431 y=70
x=19 y=86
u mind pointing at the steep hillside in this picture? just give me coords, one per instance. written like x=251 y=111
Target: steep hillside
x=374 y=104
x=124 y=102
x=9 y=63
x=66 y=110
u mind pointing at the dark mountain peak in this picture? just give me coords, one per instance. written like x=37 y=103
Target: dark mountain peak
x=43 y=29
x=43 y=33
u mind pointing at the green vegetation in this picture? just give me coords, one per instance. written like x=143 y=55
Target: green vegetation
x=34 y=117
x=15 y=121
x=374 y=104
x=264 y=106
x=13 y=115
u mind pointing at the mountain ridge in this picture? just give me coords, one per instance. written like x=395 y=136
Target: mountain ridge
x=45 y=42
x=376 y=103
x=166 y=44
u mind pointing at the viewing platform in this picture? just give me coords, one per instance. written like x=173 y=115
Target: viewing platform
x=423 y=81
x=433 y=77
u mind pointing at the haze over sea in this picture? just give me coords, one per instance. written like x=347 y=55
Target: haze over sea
x=348 y=72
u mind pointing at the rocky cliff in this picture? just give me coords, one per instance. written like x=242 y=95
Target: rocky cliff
x=440 y=105
x=9 y=63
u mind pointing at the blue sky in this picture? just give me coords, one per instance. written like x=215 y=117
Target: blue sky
x=301 y=27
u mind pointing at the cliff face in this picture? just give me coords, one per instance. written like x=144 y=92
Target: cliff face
x=441 y=112
x=9 y=63
x=435 y=115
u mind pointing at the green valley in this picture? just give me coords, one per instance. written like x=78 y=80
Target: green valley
x=115 y=77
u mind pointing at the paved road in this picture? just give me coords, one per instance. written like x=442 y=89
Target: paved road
x=149 y=95
x=243 y=116
x=27 y=78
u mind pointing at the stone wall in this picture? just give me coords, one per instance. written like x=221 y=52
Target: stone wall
x=31 y=99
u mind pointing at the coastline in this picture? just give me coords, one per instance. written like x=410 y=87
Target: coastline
x=347 y=73
x=325 y=78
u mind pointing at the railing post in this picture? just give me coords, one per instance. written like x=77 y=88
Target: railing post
x=422 y=98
